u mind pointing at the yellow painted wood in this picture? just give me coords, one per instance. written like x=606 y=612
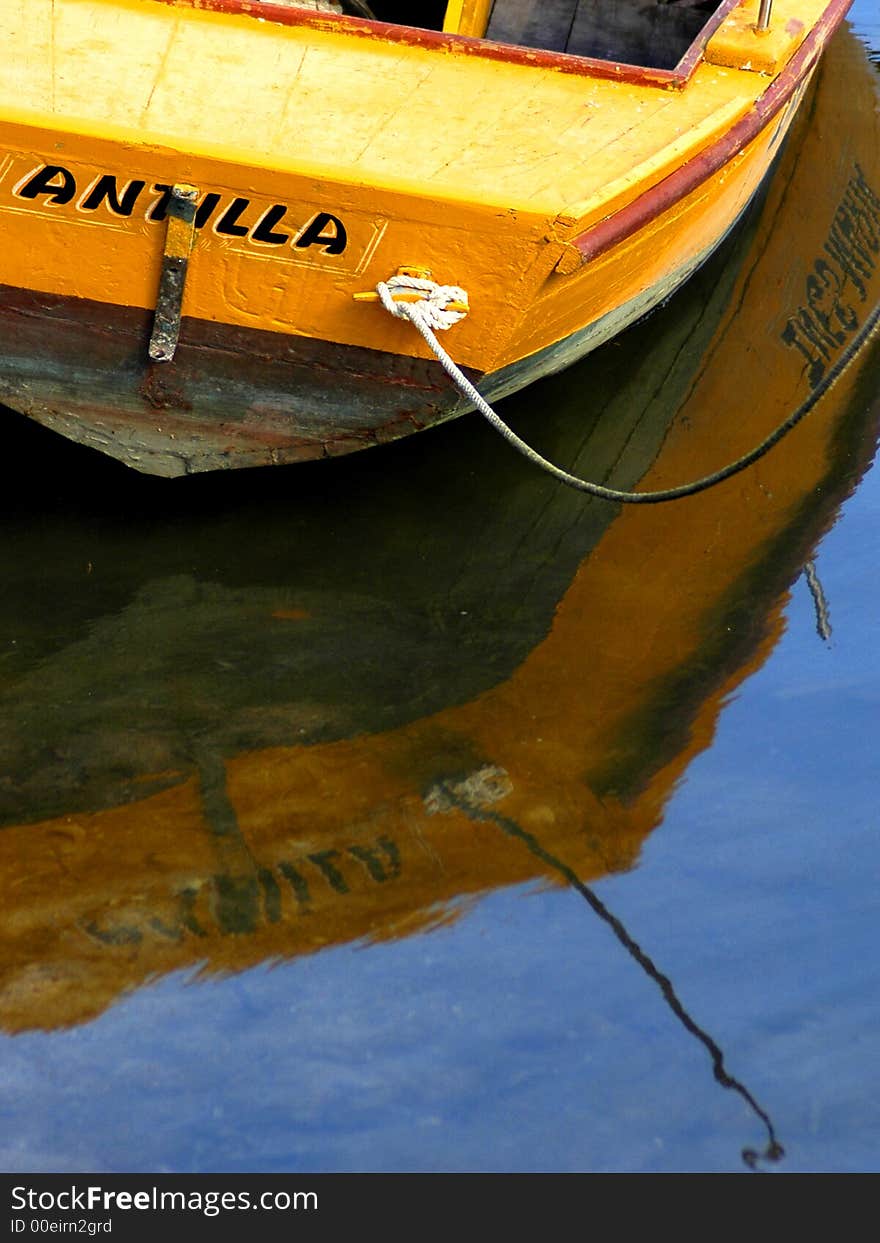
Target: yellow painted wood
x=738 y=44
x=409 y=119
x=179 y=236
x=679 y=145
x=645 y=260
x=467 y=17
x=452 y=20
x=478 y=169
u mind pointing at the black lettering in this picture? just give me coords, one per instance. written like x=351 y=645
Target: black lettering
x=205 y=209
x=271 y=895
x=334 y=877
x=237 y=903
x=58 y=185
x=379 y=870
x=864 y=224
x=266 y=223
x=52 y=180
x=830 y=278
x=228 y=223
x=187 y=899
x=297 y=882
x=860 y=186
x=846 y=221
x=106 y=187
x=863 y=238
x=313 y=234
x=113 y=936
x=165 y=930
x=837 y=249
x=813 y=331
x=793 y=336
x=159 y=209
x=818 y=302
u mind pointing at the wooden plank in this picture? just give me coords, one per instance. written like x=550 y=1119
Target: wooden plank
x=533 y=23
x=467 y=17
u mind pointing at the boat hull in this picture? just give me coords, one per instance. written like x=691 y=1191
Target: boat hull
x=240 y=397
x=277 y=362
x=233 y=397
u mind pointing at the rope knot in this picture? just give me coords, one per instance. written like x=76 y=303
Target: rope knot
x=437 y=306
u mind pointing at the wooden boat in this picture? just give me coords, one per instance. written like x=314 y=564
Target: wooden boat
x=194 y=192
x=160 y=811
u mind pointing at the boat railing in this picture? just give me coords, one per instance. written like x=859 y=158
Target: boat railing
x=764 y=11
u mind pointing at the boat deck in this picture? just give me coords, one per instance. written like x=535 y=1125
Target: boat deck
x=326 y=100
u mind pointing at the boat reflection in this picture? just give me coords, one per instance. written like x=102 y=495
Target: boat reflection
x=218 y=752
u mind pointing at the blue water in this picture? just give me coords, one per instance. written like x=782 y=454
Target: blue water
x=521 y=1036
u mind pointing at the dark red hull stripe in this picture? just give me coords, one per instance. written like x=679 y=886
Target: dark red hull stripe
x=464 y=45
x=689 y=177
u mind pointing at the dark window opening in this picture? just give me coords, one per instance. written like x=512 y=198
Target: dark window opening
x=427 y=15
x=649 y=33
x=653 y=34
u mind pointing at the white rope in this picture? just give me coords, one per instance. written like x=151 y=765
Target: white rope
x=432 y=308
x=431 y=312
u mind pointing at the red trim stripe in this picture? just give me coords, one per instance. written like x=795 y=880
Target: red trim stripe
x=414 y=37
x=685 y=179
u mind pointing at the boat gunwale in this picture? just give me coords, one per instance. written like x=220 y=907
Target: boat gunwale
x=414 y=36
x=688 y=177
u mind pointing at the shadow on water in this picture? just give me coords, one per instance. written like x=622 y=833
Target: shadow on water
x=773 y=1150
x=247 y=717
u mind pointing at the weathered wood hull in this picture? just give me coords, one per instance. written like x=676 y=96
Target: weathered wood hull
x=238 y=397
x=233 y=397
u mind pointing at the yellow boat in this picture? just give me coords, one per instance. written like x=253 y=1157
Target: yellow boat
x=446 y=722
x=199 y=197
